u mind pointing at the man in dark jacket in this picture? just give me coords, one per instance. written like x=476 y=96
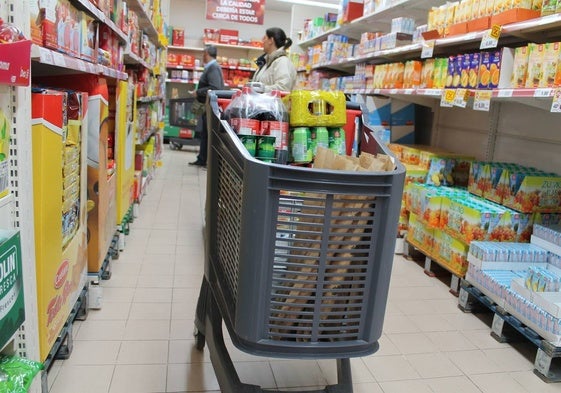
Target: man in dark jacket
x=211 y=79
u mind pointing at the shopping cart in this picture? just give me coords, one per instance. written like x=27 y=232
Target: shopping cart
x=298 y=260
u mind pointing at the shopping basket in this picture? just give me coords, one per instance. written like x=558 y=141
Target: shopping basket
x=298 y=260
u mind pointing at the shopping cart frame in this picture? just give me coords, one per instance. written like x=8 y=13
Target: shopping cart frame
x=241 y=312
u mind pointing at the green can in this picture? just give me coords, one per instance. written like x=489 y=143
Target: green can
x=337 y=140
x=265 y=146
x=300 y=148
x=250 y=143
x=319 y=138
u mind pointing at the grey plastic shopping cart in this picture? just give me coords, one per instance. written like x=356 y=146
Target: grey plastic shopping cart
x=298 y=260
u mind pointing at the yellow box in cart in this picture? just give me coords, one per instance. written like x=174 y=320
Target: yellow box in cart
x=317 y=108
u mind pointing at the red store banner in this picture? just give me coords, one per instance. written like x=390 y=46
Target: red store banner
x=244 y=11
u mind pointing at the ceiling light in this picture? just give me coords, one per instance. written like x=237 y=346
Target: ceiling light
x=311 y=3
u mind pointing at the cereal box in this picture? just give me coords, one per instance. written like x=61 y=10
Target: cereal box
x=535 y=65
x=485 y=71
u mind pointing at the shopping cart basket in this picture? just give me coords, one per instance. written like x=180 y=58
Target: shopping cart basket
x=298 y=260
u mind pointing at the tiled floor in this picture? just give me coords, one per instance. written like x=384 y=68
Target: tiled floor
x=141 y=340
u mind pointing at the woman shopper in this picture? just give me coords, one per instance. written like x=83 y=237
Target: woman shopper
x=211 y=79
x=276 y=70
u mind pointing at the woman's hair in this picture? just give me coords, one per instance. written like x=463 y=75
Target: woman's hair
x=280 y=38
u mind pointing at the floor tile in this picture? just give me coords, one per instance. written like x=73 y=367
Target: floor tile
x=147 y=330
x=359 y=371
x=497 y=382
x=418 y=386
x=94 y=352
x=482 y=339
x=459 y=384
x=450 y=341
x=102 y=330
x=83 y=379
x=146 y=378
x=117 y=295
x=390 y=368
x=387 y=347
x=367 y=388
x=259 y=374
x=150 y=311
x=510 y=359
x=143 y=352
x=474 y=362
x=153 y=295
x=433 y=365
x=111 y=311
x=297 y=373
x=195 y=377
x=184 y=351
x=408 y=343
x=394 y=324
x=532 y=383
x=431 y=323
x=181 y=329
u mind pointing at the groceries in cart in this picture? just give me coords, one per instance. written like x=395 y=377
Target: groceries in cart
x=291 y=129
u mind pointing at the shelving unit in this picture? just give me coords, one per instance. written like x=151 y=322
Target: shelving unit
x=17 y=210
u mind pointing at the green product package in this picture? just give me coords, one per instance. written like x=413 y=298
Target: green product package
x=16 y=374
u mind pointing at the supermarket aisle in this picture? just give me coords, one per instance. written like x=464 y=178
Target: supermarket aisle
x=141 y=340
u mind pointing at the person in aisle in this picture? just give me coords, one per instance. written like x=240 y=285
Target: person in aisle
x=211 y=79
x=276 y=71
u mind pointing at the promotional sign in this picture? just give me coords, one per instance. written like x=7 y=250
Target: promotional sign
x=248 y=11
x=12 y=310
x=15 y=63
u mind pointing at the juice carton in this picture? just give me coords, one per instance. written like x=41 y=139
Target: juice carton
x=520 y=67
x=458 y=64
x=535 y=65
x=552 y=50
x=498 y=179
x=452 y=251
x=473 y=73
x=464 y=71
x=534 y=192
x=485 y=71
x=427 y=74
x=495 y=69
x=410 y=155
x=478 y=181
x=537 y=5
x=549 y=7
x=419 y=234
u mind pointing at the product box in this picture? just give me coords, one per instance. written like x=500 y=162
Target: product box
x=62 y=26
x=451 y=251
x=88 y=38
x=485 y=70
x=419 y=234
x=229 y=37
x=534 y=192
x=450 y=72
x=351 y=10
x=520 y=67
x=178 y=37
x=535 y=65
x=211 y=36
x=61 y=272
x=11 y=285
x=552 y=51
x=479 y=182
x=35 y=21
x=475 y=62
x=427 y=74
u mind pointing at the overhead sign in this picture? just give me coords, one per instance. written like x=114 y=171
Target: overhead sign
x=247 y=11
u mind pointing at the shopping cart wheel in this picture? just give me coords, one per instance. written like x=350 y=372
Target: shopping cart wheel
x=199 y=339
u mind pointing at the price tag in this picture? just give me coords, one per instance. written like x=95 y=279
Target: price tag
x=491 y=37
x=409 y=91
x=505 y=93
x=542 y=93
x=556 y=104
x=58 y=59
x=428 y=49
x=461 y=98
x=448 y=97
x=482 y=100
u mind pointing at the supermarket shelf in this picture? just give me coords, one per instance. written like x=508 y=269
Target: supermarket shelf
x=182 y=67
x=86 y=5
x=552 y=248
x=540 y=29
x=145 y=21
x=133 y=58
x=227 y=46
x=185 y=48
x=381 y=19
x=185 y=81
x=49 y=57
x=145 y=138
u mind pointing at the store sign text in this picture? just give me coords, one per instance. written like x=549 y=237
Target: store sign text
x=249 y=11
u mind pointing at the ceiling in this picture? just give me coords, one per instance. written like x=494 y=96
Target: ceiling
x=277 y=5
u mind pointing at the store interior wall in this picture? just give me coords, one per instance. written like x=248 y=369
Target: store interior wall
x=191 y=15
